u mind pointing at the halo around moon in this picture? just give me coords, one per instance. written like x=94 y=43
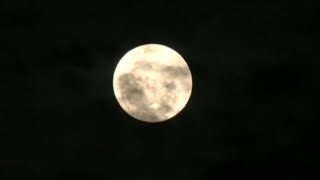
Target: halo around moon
x=152 y=83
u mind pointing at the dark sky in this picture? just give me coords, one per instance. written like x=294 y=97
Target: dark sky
x=252 y=112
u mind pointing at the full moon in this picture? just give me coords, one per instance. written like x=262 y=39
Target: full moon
x=152 y=83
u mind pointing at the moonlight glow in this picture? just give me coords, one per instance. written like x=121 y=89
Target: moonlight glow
x=152 y=83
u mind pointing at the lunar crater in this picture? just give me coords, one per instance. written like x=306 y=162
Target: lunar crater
x=130 y=89
x=169 y=86
x=176 y=71
x=142 y=65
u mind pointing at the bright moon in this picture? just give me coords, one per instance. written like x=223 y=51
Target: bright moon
x=152 y=83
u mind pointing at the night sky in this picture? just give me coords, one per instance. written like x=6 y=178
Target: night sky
x=252 y=111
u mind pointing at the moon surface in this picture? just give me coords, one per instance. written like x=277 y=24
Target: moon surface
x=152 y=83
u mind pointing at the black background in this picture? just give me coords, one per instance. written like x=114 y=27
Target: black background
x=252 y=112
